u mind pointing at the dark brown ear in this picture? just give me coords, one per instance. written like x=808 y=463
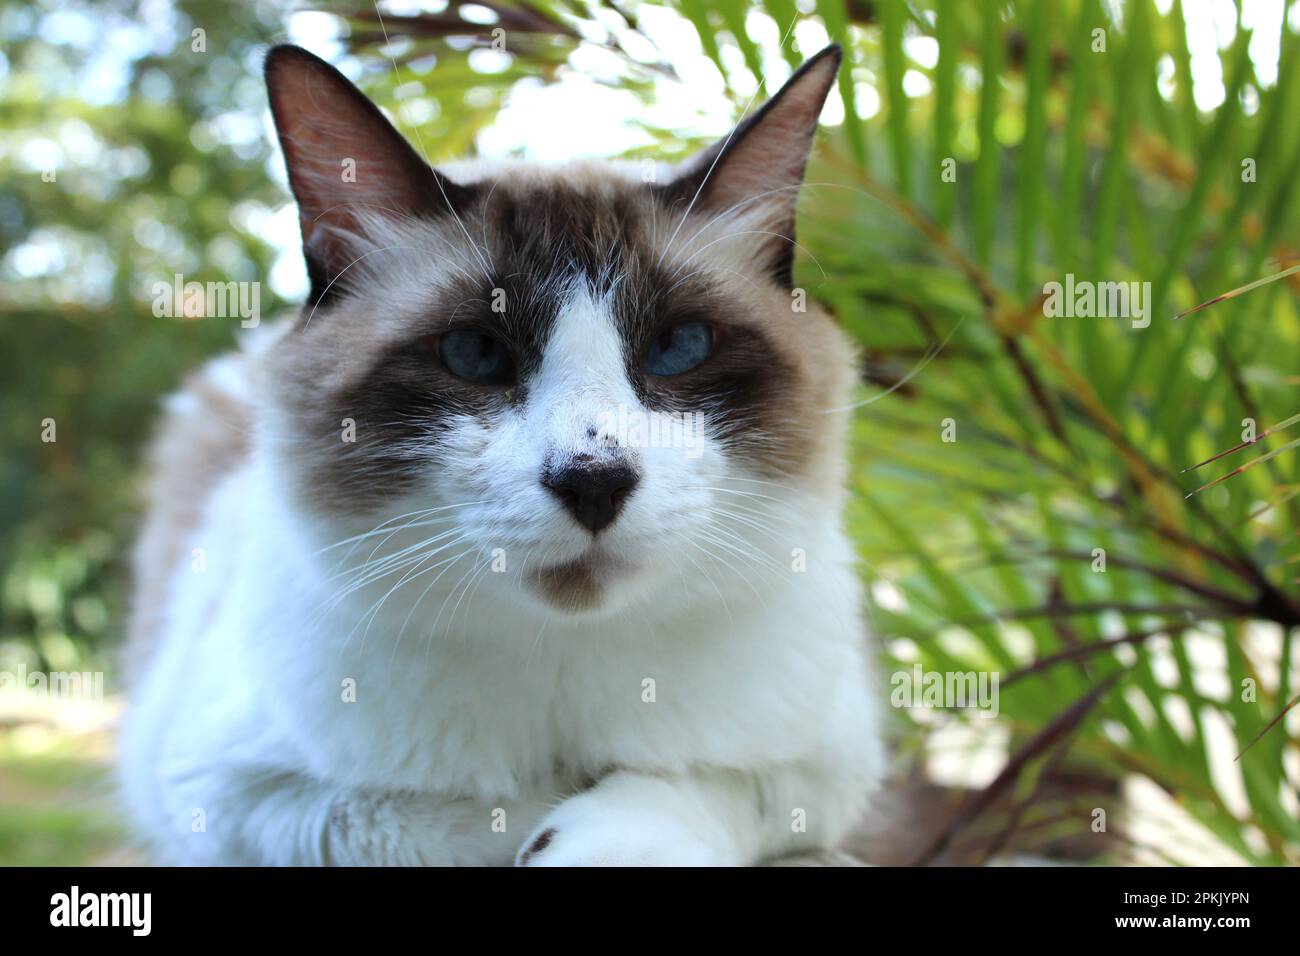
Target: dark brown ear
x=761 y=163
x=343 y=156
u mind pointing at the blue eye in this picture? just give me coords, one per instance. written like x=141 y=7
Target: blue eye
x=476 y=358
x=679 y=349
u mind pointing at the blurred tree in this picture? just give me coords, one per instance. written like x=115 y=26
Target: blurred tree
x=130 y=155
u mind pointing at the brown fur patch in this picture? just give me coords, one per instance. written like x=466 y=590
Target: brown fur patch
x=572 y=587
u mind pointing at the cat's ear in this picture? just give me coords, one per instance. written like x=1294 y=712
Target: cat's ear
x=758 y=168
x=343 y=156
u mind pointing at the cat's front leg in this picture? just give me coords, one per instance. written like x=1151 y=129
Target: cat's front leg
x=284 y=819
x=705 y=818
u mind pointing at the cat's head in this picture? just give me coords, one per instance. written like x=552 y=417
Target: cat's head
x=596 y=378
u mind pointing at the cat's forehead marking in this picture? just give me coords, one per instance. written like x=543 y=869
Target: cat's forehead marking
x=585 y=342
x=582 y=380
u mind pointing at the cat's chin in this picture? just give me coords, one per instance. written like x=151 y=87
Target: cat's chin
x=581 y=585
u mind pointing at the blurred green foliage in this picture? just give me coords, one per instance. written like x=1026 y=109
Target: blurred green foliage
x=158 y=162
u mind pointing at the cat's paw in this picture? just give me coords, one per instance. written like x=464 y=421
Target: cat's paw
x=594 y=830
x=618 y=843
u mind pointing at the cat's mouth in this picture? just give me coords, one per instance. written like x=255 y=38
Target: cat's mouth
x=579 y=584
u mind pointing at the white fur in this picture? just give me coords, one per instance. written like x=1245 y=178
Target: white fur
x=481 y=712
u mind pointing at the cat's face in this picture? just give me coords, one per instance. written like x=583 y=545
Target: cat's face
x=556 y=383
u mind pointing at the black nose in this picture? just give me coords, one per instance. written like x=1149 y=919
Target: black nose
x=593 y=492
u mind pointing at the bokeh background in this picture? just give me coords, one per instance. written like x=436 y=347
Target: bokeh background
x=972 y=152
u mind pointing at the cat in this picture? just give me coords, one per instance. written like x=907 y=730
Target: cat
x=410 y=589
